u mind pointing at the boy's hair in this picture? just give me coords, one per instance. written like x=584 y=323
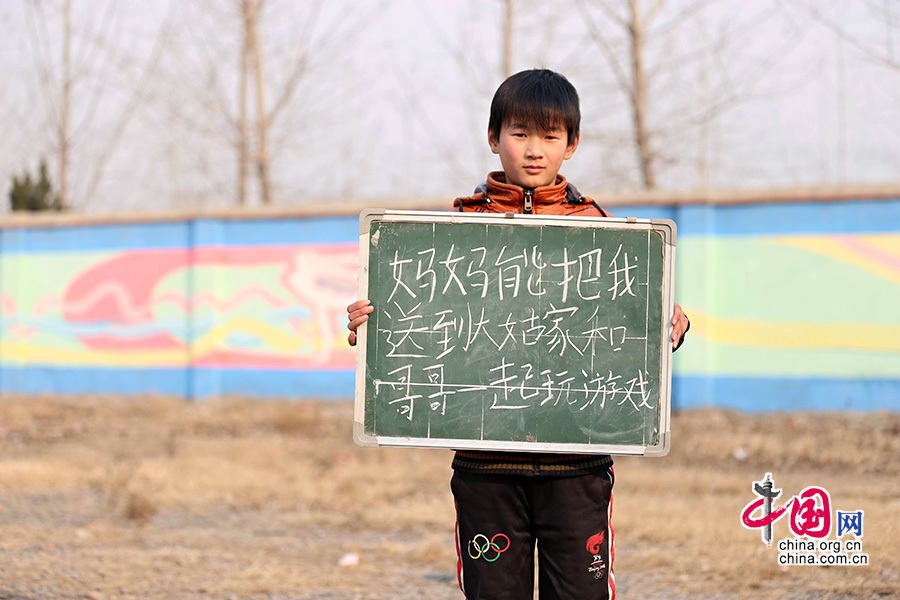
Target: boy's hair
x=540 y=97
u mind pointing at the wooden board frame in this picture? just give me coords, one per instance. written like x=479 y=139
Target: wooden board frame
x=664 y=227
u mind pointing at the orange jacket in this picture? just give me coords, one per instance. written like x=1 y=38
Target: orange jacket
x=497 y=196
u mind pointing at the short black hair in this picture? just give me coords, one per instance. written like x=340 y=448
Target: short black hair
x=540 y=97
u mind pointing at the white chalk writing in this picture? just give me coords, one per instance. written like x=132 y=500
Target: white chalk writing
x=514 y=328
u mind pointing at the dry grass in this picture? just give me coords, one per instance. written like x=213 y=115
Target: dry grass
x=158 y=498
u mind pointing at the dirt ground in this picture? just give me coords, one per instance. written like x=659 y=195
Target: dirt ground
x=157 y=498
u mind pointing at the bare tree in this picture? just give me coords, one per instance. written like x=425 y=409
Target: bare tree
x=93 y=66
x=482 y=67
x=57 y=89
x=243 y=125
x=639 y=91
x=251 y=36
x=644 y=47
x=863 y=36
x=879 y=51
x=65 y=107
x=282 y=49
x=508 y=33
x=657 y=55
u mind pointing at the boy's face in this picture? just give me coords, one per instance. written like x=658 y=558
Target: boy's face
x=531 y=157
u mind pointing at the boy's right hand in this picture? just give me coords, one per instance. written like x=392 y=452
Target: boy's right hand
x=357 y=314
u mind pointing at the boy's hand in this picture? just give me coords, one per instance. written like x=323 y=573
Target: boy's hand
x=357 y=314
x=680 y=325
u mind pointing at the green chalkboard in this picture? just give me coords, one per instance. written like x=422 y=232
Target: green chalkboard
x=515 y=332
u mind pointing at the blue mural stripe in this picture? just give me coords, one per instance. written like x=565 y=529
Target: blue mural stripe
x=785 y=394
x=80 y=380
x=267 y=232
x=274 y=383
x=788 y=218
x=197 y=383
x=749 y=394
x=121 y=236
x=198 y=233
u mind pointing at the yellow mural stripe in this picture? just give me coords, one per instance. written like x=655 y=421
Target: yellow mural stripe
x=836 y=249
x=275 y=338
x=792 y=335
x=31 y=354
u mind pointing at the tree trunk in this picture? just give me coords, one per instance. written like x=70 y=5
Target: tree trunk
x=65 y=108
x=262 y=118
x=243 y=129
x=508 y=38
x=639 y=97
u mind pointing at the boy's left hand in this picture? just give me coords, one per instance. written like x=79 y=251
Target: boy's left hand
x=680 y=325
x=357 y=314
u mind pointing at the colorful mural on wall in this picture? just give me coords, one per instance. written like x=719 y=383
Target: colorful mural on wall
x=263 y=309
x=793 y=306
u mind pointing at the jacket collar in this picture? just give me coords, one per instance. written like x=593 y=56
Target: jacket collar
x=514 y=196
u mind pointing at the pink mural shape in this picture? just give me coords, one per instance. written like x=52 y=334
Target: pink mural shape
x=7 y=304
x=23 y=332
x=322 y=279
x=338 y=360
x=155 y=341
x=871 y=252
x=205 y=298
x=122 y=290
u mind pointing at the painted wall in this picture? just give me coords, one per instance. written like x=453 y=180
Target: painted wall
x=195 y=309
x=794 y=305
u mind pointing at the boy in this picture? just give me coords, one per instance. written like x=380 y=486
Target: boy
x=505 y=501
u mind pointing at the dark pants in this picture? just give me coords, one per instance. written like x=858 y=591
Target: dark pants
x=499 y=518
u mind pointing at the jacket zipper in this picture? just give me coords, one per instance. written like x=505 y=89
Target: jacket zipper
x=528 y=197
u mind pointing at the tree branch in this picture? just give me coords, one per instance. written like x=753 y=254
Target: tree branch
x=886 y=60
x=622 y=78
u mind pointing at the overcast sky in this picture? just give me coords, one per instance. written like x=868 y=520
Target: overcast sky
x=395 y=98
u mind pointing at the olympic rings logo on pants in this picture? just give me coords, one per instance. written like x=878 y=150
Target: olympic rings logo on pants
x=490 y=546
